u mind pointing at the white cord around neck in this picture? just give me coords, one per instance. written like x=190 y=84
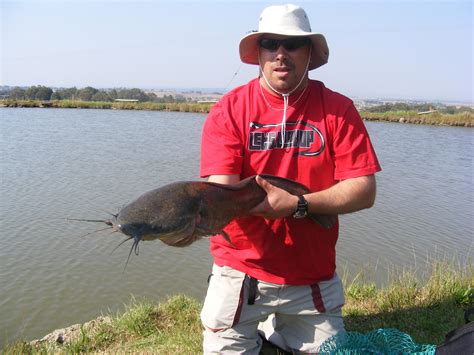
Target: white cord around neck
x=278 y=108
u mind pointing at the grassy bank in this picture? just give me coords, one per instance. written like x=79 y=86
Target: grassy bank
x=425 y=310
x=465 y=119
x=152 y=106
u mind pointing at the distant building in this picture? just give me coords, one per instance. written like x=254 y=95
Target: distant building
x=427 y=112
x=207 y=101
x=126 y=100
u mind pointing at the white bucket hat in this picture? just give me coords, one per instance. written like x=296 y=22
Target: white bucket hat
x=287 y=20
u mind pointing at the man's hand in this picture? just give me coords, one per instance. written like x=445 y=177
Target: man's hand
x=278 y=203
x=346 y=196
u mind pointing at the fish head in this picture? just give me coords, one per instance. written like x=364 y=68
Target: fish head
x=174 y=235
x=168 y=214
x=141 y=228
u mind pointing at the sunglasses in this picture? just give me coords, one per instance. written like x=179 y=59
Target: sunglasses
x=290 y=44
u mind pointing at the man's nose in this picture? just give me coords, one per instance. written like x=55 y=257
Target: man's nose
x=281 y=52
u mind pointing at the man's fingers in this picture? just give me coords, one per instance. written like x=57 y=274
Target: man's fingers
x=264 y=184
x=262 y=207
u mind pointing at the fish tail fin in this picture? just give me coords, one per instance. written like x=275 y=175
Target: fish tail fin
x=325 y=221
x=226 y=237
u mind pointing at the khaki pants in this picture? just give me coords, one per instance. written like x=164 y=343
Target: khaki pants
x=296 y=318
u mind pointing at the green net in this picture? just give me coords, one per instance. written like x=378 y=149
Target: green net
x=379 y=341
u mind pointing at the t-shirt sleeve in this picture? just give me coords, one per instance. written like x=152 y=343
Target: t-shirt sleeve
x=221 y=145
x=352 y=149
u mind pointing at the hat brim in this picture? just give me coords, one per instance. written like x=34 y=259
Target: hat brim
x=248 y=48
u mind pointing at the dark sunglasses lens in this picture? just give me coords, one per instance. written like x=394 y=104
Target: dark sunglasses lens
x=269 y=44
x=290 y=44
x=293 y=44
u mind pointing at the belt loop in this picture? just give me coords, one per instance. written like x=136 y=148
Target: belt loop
x=252 y=290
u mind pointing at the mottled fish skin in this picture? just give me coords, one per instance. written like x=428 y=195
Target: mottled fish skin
x=182 y=212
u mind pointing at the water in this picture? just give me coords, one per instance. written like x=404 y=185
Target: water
x=425 y=202
x=84 y=163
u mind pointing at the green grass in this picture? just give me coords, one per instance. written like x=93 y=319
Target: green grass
x=465 y=119
x=425 y=310
x=169 y=328
x=152 y=106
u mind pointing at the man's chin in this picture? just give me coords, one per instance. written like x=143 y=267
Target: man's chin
x=281 y=85
x=284 y=88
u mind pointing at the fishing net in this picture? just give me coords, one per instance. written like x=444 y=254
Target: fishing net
x=380 y=341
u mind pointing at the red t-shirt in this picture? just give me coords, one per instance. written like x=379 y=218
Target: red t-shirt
x=325 y=141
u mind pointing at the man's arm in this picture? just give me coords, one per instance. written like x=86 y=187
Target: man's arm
x=224 y=179
x=347 y=196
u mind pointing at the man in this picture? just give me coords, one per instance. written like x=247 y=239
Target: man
x=279 y=263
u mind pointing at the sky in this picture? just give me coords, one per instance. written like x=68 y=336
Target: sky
x=408 y=50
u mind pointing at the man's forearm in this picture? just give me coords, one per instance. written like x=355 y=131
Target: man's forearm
x=224 y=179
x=345 y=197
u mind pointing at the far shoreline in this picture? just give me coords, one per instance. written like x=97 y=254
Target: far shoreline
x=465 y=119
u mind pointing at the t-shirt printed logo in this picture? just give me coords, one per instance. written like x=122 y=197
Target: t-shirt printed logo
x=262 y=139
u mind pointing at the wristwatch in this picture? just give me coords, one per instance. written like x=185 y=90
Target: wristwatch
x=301 y=209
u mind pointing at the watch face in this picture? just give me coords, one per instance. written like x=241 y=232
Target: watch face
x=302 y=213
x=299 y=214
x=302 y=209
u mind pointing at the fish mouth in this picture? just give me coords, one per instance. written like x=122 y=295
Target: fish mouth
x=133 y=229
x=145 y=231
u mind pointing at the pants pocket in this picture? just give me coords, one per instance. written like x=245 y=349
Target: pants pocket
x=332 y=293
x=224 y=299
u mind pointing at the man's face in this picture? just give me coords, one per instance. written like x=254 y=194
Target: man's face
x=284 y=64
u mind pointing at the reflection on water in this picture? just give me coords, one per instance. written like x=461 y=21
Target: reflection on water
x=88 y=163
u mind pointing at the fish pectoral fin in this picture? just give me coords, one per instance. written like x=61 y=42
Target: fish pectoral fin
x=181 y=237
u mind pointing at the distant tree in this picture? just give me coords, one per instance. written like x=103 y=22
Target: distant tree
x=17 y=93
x=86 y=93
x=133 y=94
x=101 y=96
x=152 y=96
x=180 y=98
x=400 y=106
x=113 y=94
x=459 y=109
x=168 y=98
x=30 y=93
x=69 y=93
x=43 y=93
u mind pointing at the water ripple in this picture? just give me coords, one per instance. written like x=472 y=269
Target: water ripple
x=84 y=163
